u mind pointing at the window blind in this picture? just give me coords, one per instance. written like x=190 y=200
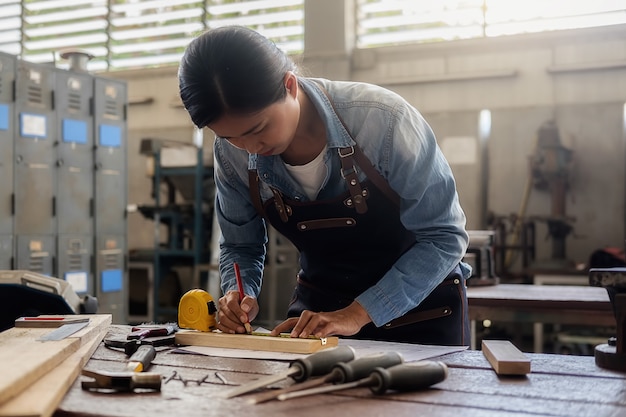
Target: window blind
x=392 y=22
x=123 y=34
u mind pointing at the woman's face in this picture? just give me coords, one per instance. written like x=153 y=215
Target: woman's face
x=267 y=132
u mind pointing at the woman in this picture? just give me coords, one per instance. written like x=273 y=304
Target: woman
x=350 y=173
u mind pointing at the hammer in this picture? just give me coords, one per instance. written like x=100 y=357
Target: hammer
x=130 y=379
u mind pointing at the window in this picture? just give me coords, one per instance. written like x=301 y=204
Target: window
x=123 y=34
x=392 y=22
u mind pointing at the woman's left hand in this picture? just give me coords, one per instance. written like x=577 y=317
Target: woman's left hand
x=345 y=322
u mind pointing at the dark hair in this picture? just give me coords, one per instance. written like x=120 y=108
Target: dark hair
x=231 y=69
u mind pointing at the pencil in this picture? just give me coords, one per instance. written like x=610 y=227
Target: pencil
x=241 y=294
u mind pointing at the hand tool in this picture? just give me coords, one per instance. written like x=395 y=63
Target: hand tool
x=131 y=346
x=121 y=381
x=48 y=321
x=340 y=373
x=404 y=377
x=65 y=326
x=141 y=360
x=241 y=294
x=64 y=331
x=316 y=364
x=144 y=331
x=133 y=377
x=196 y=310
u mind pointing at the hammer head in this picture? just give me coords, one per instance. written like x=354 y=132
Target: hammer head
x=121 y=381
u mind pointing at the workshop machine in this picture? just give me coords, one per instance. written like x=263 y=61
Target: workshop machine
x=612 y=355
x=550 y=169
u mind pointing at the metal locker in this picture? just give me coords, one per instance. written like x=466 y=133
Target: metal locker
x=74 y=253
x=111 y=278
x=110 y=155
x=74 y=188
x=35 y=253
x=34 y=182
x=110 y=195
x=7 y=116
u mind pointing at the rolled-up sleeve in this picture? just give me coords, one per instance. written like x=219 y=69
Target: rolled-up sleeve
x=243 y=233
x=416 y=169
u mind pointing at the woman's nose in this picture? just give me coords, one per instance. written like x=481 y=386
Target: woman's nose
x=253 y=146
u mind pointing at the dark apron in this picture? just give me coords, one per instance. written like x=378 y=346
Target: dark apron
x=348 y=243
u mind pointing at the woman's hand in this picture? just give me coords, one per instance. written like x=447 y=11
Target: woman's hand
x=232 y=314
x=345 y=322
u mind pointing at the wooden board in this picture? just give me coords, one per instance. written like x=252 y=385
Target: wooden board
x=254 y=342
x=25 y=359
x=505 y=358
x=43 y=397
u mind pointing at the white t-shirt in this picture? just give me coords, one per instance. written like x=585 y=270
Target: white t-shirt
x=310 y=175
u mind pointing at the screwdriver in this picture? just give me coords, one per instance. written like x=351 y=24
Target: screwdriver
x=404 y=377
x=316 y=364
x=340 y=373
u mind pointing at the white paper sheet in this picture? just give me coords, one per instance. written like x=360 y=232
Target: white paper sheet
x=409 y=352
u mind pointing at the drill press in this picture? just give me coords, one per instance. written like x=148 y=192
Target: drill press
x=612 y=355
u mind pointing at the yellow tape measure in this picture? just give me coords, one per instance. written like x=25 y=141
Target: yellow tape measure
x=196 y=310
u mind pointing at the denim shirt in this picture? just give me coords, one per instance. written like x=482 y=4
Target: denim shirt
x=401 y=146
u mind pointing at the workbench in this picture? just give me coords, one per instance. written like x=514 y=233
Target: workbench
x=556 y=304
x=558 y=385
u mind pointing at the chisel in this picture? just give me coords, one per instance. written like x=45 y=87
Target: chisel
x=316 y=364
x=141 y=359
x=404 y=377
x=340 y=373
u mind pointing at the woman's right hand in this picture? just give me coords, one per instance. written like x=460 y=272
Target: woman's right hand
x=232 y=314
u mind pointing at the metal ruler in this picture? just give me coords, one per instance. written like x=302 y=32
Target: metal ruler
x=63 y=331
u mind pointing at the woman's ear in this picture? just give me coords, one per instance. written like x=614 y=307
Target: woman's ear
x=291 y=83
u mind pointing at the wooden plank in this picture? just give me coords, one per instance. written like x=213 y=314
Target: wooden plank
x=505 y=358
x=26 y=359
x=43 y=397
x=254 y=342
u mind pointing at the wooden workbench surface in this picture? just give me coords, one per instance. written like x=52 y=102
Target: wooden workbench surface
x=558 y=385
x=544 y=296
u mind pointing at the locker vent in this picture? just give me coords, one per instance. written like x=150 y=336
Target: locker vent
x=111 y=109
x=112 y=261
x=34 y=94
x=36 y=264
x=73 y=102
x=75 y=262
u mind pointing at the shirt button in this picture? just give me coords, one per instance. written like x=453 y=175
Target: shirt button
x=265 y=175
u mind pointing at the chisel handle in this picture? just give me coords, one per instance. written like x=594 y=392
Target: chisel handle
x=362 y=367
x=321 y=362
x=407 y=377
x=141 y=359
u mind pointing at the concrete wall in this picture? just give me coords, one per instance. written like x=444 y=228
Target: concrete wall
x=577 y=78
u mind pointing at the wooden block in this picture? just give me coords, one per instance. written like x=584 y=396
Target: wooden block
x=505 y=358
x=43 y=397
x=254 y=342
x=25 y=359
